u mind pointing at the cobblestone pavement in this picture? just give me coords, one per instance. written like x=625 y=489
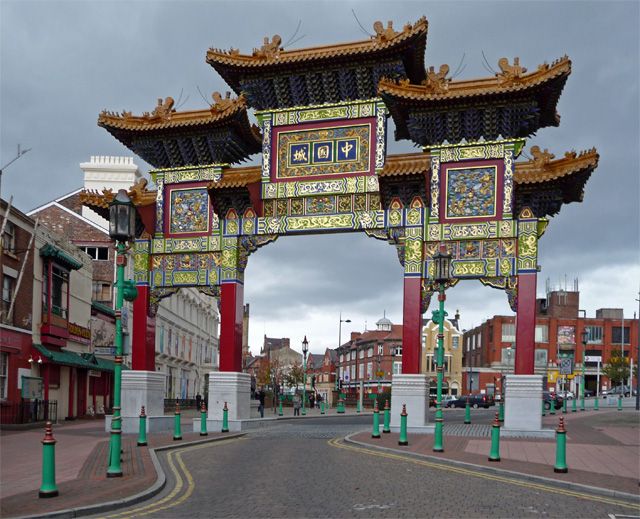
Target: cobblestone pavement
x=291 y=469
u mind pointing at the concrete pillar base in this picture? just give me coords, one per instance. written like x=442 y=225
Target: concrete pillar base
x=413 y=391
x=523 y=397
x=234 y=389
x=142 y=388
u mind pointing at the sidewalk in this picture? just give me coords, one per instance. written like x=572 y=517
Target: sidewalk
x=603 y=449
x=81 y=466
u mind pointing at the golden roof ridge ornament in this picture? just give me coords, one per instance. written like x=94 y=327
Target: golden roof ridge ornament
x=541 y=159
x=437 y=82
x=222 y=104
x=509 y=73
x=269 y=49
x=383 y=35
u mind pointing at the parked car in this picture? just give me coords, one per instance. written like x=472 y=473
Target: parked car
x=550 y=398
x=620 y=390
x=567 y=394
x=475 y=401
x=589 y=393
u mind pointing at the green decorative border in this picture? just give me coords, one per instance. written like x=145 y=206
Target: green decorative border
x=337 y=186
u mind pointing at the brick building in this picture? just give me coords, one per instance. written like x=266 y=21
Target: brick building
x=45 y=339
x=15 y=328
x=371 y=357
x=489 y=349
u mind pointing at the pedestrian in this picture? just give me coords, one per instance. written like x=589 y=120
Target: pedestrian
x=261 y=396
x=318 y=400
x=297 y=403
x=198 y=401
x=312 y=400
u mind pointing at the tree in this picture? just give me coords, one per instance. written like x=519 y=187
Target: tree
x=295 y=375
x=617 y=369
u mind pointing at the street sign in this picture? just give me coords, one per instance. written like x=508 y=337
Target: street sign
x=379 y=374
x=104 y=350
x=593 y=358
x=566 y=366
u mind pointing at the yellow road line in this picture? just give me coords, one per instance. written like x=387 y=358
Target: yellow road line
x=467 y=472
x=156 y=506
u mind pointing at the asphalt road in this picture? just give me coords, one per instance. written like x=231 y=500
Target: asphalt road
x=296 y=469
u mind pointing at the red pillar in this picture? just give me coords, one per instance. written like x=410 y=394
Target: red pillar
x=45 y=380
x=411 y=326
x=231 y=312
x=144 y=333
x=71 y=391
x=526 y=324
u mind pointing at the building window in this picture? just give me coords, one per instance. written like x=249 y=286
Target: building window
x=58 y=299
x=9 y=238
x=370 y=352
x=353 y=355
x=595 y=334
x=542 y=333
x=101 y=291
x=616 y=334
x=507 y=356
x=361 y=354
x=4 y=369
x=369 y=370
x=8 y=286
x=541 y=357
x=479 y=336
x=380 y=349
x=341 y=357
x=96 y=253
x=353 y=372
x=397 y=368
x=508 y=332
x=397 y=351
x=455 y=342
x=430 y=366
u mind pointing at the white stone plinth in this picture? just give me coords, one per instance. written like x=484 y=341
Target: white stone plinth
x=232 y=388
x=142 y=388
x=523 y=403
x=413 y=391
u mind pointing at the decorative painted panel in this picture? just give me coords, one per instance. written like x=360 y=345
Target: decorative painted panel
x=189 y=211
x=327 y=150
x=471 y=192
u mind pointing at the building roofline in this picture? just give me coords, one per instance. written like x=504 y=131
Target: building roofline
x=73 y=213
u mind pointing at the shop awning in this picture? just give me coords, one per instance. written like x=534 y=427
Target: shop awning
x=77 y=360
x=60 y=257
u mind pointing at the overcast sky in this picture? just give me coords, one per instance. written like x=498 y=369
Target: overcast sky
x=63 y=62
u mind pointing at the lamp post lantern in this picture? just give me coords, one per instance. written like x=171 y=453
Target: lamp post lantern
x=122 y=218
x=340 y=329
x=585 y=338
x=442 y=267
x=305 y=350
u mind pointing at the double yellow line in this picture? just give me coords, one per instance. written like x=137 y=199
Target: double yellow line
x=336 y=442
x=171 y=500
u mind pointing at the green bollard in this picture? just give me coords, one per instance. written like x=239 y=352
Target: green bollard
x=340 y=409
x=402 y=440
x=544 y=411
x=203 y=421
x=142 y=433
x=322 y=407
x=552 y=407
x=596 y=405
x=467 y=412
x=280 y=412
x=582 y=401
x=620 y=403
x=574 y=405
x=494 y=454
x=225 y=418
x=177 y=432
x=48 y=488
x=358 y=405
x=386 y=424
x=501 y=411
x=375 y=433
x=561 y=448
x=564 y=406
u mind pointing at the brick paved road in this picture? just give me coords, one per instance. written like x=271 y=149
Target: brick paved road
x=290 y=470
